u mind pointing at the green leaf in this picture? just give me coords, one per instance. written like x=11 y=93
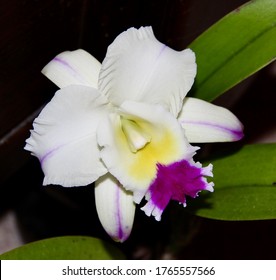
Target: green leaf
x=65 y=248
x=244 y=186
x=234 y=48
x=252 y=165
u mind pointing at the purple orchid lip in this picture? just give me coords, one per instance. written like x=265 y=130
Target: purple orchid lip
x=175 y=182
x=237 y=134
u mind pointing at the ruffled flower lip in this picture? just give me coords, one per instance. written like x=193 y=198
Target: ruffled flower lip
x=174 y=182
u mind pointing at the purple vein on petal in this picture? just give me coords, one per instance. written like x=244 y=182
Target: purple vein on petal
x=70 y=69
x=161 y=51
x=120 y=234
x=48 y=154
x=236 y=133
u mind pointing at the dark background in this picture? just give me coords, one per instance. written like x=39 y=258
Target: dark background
x=32 y=33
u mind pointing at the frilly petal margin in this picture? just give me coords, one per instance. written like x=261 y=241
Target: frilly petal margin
x=174 y=182
x=137 y=67
x=73 y=68
x=205 y=122
x=115 y=207
x=64 y=137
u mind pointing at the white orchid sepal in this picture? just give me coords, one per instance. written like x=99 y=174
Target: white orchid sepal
x=115 y=207
x=206 y=123
x=73 y=68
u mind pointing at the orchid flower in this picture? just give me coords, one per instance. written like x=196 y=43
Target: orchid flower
x=126 y=125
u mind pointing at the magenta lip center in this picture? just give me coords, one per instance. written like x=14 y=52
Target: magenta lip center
x=175 y=182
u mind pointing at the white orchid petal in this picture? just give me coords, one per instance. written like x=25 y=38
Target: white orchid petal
x=164 y=143
x=205 y=122
x=139 y=68
x=73 y=68
x=115 y=207
x=64 y=137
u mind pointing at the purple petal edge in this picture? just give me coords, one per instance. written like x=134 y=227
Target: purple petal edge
x=122 y=233
x=49 y=154
x=175 y=182
x=69 y=68
x=237 y=134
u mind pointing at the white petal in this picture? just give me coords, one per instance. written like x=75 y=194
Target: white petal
x=115 y=207
x=64 y=137
x=73 y=68
x=163 y=142
x=204 y=122
x=138 y=67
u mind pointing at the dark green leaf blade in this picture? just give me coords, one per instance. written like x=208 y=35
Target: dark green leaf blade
x=252 y=165
x=244 y=186
x=234 y=48
x=240 y=203
x=65 y=248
